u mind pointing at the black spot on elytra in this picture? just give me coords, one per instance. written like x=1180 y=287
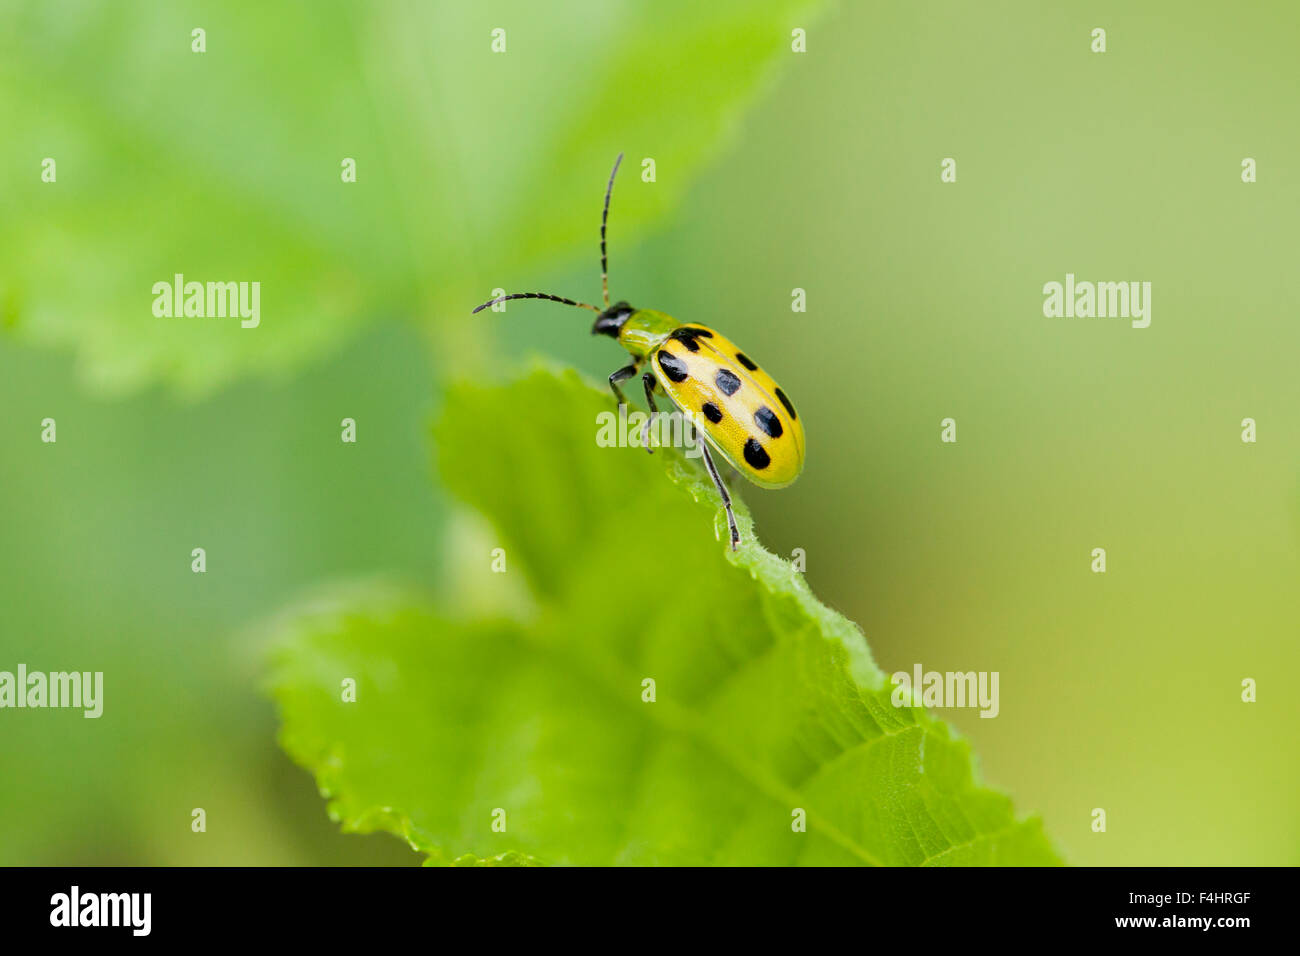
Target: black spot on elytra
x=712 y=412
x=673 y=367
x=786 y=402
x=688 y=335
x=745 y=360
x=766 y=419
x=727 y=380
x=756 y=455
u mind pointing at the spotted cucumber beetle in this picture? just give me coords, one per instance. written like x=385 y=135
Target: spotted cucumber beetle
x=743 y=413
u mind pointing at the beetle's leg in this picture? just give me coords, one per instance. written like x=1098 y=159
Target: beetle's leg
x=726 y=497
x=650 y=383
x=622 y=375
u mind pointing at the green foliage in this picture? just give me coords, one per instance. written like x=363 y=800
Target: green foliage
x=765 y=700
x=472 y=167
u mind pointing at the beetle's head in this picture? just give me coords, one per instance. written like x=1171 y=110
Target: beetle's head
x=610 y=322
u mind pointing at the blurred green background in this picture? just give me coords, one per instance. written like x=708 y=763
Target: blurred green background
x=775 y=170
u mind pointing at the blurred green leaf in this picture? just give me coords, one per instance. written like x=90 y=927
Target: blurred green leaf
x=766 y=700
x=225 y=165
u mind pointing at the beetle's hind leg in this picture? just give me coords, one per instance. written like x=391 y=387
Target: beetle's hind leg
x=650 y=382
x=726 y=496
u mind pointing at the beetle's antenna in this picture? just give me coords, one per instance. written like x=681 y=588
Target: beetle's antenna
x=604 y=217
x=604 y=262
x=536 y=295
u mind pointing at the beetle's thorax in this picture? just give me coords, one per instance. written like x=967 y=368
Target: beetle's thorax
x=641 y=331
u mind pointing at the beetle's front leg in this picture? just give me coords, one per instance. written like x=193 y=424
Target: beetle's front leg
x=650 y=382
x=622 y=375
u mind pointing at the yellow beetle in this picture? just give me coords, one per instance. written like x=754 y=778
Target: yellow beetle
x=741 y=411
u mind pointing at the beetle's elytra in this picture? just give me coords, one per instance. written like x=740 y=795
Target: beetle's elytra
x=741 y=411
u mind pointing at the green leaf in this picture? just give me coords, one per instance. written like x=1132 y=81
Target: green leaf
x=474 y=169
x=766 y=701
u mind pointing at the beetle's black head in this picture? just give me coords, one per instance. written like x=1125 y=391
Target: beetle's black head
x=610 y=322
